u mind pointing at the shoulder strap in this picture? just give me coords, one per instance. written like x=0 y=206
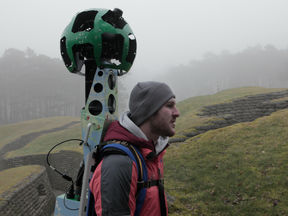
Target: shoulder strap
x=141 y=192
x=134 y=153
x=143 y=183
x=132 y=149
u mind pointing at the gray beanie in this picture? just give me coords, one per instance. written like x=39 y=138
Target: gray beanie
x=146 y=99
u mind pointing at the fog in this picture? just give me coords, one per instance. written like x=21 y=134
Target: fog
x=37 y=86
x=196 y=47
x=168 y=34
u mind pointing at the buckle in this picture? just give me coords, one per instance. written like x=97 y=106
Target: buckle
x=148 y=183
x=140 y=184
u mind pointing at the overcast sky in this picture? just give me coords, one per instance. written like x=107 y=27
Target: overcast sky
x=168 y=33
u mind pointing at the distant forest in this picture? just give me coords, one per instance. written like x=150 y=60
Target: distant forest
x=37 y=86
x=254 y=66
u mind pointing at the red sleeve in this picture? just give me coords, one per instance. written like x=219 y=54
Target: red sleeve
x=114 y=185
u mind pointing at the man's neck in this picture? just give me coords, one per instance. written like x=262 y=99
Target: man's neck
x=146 y=129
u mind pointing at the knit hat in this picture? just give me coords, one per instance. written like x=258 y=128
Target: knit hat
x=146 y=99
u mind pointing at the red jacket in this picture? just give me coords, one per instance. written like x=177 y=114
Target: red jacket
x=114 y=183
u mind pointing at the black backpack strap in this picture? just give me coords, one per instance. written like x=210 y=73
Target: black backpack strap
x=136 y=156
x=162 y=199
x=149 y=183
x=160 y=184
x=145 y=184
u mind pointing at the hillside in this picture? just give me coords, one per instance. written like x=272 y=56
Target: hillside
x=11 y=132
x=236 y=170
x=190 y=107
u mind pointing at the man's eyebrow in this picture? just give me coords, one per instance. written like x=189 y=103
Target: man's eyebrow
x=171 y=101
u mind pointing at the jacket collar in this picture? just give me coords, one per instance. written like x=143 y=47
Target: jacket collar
x=131 y=133
x=127 y=123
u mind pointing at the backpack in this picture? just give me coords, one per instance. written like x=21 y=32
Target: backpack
x=120 y=147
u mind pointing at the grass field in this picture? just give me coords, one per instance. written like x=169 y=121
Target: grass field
x=189 y=107
x=13 y=131
x=44 y=143
x=16 y=175
x=236 y=170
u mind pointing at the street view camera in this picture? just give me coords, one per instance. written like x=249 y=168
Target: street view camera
x=103 y=42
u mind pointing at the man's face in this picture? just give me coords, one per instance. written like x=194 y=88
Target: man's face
x=163 y=122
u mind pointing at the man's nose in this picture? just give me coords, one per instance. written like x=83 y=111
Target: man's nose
x=176 y=113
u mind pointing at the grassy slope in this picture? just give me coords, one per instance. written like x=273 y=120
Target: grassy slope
x=40 y=145
x=189 y=107
x=10 y=132
x=16 y=175
x=238 y=170
x=44 y=143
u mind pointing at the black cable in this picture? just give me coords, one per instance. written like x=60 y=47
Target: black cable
x=68 y=178
x=69 y=190
x=66 y=196
x=79 y=179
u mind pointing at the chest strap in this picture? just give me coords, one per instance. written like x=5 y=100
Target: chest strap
x=149 y=183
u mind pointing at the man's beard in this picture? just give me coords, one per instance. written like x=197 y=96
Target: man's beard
x=161 y=126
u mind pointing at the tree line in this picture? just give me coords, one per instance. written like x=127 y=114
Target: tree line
x=254 y=66
x=36 y=86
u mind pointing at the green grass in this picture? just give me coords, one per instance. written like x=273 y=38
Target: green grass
x=189 y=107
x=237 y=170
x=16 y=175
x=10 y=132
x=280 y=99
x=44 y=143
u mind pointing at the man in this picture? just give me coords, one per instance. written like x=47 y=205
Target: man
x=148 y=126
